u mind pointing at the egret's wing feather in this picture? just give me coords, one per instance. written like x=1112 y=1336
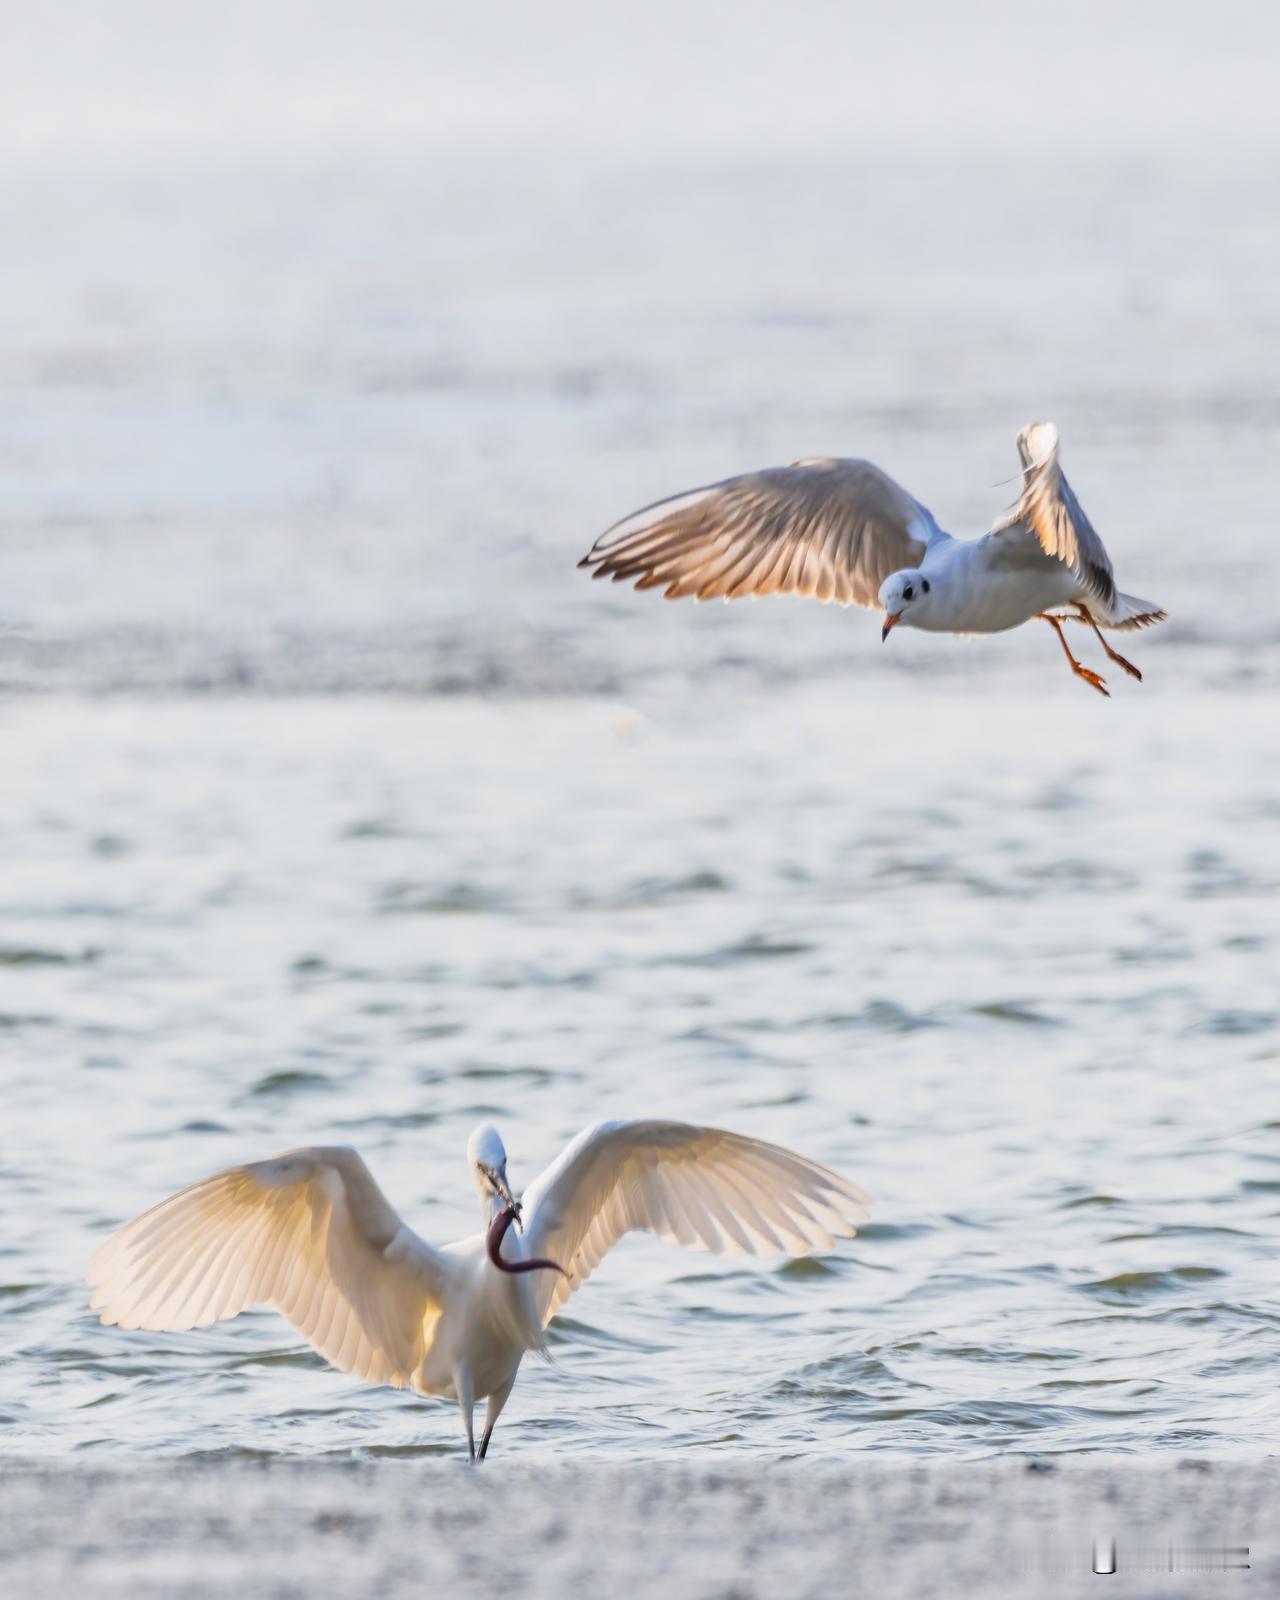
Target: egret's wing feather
x=1048 y=513
x=310 y=1233
x=831 y=529
x=699 y=1187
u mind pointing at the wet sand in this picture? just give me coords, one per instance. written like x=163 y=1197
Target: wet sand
x=283 y=1528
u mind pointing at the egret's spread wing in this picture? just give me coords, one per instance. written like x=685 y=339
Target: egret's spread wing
x=699 y=1187
x=309 y=1233
x=1048 y=512
x=831 y=529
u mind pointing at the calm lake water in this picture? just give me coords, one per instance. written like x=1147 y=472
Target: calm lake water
x=338 y=807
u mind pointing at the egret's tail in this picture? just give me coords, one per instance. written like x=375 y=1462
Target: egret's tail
x=1130 y=613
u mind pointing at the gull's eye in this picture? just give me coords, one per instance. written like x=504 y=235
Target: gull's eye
x=908 y=593
x=924 y=584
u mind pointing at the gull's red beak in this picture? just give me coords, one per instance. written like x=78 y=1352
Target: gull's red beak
x=890 y=623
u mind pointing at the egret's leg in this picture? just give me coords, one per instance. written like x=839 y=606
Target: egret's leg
x=1080 y=672
x=465 y=1385
x=497 y=1400
x=1085 y=616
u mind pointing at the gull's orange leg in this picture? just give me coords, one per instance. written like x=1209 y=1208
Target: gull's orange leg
x=1080 y=672
x=1115 y=655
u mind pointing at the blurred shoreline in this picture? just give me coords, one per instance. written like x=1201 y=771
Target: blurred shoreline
x=281 y=1529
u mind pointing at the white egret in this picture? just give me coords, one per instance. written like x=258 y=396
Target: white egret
x=843 y=530
x=311 y=1233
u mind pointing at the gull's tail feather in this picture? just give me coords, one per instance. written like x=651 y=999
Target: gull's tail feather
x=1129 y=613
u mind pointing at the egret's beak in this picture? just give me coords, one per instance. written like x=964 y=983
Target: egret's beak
x=499 y=1182
x=890 y=623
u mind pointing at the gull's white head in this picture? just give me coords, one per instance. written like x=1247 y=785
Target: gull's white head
x=488 y=1158
x=903 y=596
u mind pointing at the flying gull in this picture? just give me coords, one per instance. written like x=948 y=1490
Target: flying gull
x=843 y=530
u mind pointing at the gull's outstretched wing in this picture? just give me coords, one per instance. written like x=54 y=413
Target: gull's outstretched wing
x=310 y=1233
x=1048 y=513
x=831 y=529
x=699 y=1187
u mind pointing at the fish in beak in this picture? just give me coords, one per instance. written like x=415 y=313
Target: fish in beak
x=890 y=623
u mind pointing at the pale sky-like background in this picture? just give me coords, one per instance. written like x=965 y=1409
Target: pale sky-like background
x=286 y=80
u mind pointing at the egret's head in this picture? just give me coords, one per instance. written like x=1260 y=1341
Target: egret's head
x=488 y=1160
x=902 y=594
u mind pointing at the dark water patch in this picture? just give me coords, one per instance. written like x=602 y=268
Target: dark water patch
x=1084 y=876
x=1004 y=1355
x=1236 y=1022
x=1014 y=1011
x=26 y=1019
x=943 y=1286
x=400 y=1452
x=302 y=1358
x=747 y=1274
x=1080 y=1202
x=36 y=956
x=1260 y=1186
x=16 y=1299
x=1059 y=797
x=101 y=1062
x=903 y=871
x=797 y=1097
x=1158 y=952
x=399 y=1119
x=1260 y=1361
x=1184 y=1230
x=572 y=1331
x=77 y=1361
x=887 y=1232
x=1212 y=875
x=803 y=1268
x=724 y=1315
x=483 y=1071
x=111 y=1398
x=424 y=1032
x=847 y=1376
x=1066 y=1385
x=755 y=947
x=461 y=898
x=204 y=1126
x=252 y=1454
x=290 y=1082
x=375 y=828
x=646 y=893
x=1018 y=1416
x=1140 y=1285
x=110 y=846
x=880 y=1016
x=528 y=975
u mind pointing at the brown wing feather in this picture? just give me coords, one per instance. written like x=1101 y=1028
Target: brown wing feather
x=833 y=530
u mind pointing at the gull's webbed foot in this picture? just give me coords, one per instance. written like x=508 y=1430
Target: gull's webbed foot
x=1100 y=684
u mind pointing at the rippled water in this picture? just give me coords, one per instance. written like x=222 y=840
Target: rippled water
x=338 y=807
x=1030 y=1008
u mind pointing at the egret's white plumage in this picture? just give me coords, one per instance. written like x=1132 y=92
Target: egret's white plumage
x=844 y=531
x=312 y=1234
